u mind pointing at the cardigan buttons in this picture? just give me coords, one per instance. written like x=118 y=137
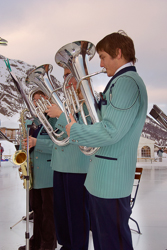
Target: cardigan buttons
x=36 y=157
x=90 y=160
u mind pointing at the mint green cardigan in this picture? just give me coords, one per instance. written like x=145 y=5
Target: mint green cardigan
x=41 y=160
x=68 y=159
x=111 y=170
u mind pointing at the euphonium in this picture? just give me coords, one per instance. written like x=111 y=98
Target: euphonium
x=20 y=156
x=74 y=56
x=40 y=77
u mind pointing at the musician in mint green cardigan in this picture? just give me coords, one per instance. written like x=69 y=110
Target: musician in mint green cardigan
x=41 y=194
x=110 y=177
x=70 y=165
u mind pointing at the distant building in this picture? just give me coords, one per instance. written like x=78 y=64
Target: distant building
x=145 y=150
x=11 y=133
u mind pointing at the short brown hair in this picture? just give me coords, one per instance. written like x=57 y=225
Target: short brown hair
x=118 y=40
x=38 y=92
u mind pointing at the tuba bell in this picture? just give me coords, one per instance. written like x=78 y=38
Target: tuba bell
x=40 y=77
x=75 y=56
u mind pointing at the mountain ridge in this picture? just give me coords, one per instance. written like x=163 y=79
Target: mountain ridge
x=11 y=100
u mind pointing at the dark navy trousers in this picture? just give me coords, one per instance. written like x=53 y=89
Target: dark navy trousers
x=71 y=211
x=44 y=235
x=109 y=223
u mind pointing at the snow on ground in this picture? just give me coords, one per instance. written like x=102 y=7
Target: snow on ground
x=155 y=164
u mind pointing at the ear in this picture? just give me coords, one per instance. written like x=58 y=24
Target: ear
x=119 y=53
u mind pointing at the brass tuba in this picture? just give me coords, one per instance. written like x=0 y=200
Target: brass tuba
x=40 y=77
x=74 y=56
x=20 y=156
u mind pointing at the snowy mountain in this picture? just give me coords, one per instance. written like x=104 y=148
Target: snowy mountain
x=152 y=130
x=11 y=102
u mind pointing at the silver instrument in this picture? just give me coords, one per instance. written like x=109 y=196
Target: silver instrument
x=75 y=56
x=40 y=77
x=159 y=115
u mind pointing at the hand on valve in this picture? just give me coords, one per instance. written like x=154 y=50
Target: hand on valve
x=68 y=126
x=53 y=111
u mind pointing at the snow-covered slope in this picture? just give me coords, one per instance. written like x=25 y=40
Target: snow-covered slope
x=11 y=102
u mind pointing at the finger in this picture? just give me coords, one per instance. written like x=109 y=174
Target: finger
x=48 y=106
x=67 y=130
x=49 y=114
x=72 y=118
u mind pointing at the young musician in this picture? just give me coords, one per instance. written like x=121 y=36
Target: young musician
x=70 y=167
x=111 y=170
x=41 y=195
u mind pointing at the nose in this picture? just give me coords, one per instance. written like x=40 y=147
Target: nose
x=101 y=64
x=35 y=103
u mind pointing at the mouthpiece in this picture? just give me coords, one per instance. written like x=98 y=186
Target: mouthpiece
x=104 y=70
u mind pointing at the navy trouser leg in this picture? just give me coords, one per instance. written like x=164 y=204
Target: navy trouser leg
x=71 y=211
x=49 y=240
x=44 y=234
x=109 y=222
x=60 y=211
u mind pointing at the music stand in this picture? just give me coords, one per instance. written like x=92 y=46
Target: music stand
x=27 y=234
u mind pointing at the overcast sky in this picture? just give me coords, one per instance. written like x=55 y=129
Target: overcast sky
x=37 y=29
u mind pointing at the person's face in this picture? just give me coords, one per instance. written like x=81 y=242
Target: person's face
x=107 y=62
x=72 y=80
x=36 y=97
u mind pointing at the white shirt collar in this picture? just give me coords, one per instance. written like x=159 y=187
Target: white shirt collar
x=124 y=66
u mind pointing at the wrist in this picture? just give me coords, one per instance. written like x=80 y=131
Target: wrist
x=59 y=113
